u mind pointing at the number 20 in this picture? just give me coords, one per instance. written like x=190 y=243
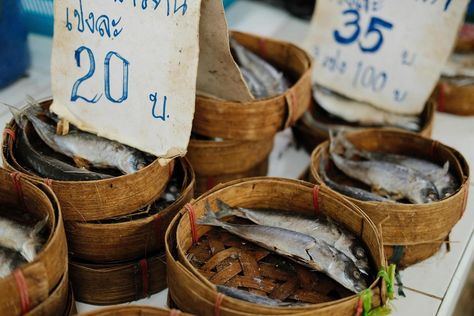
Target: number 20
x=90 y=73
x=375 y=26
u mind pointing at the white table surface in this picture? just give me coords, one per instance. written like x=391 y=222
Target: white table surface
x=432 y=286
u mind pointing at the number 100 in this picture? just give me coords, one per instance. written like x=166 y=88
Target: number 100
x=368 y=77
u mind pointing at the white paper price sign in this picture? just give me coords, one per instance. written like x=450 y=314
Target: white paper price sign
x=126 y=70
x=385 y=52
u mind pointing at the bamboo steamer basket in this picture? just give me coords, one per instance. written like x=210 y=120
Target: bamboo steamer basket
x=310 y=137
x=206 y=183
x=31 y=283
x=418 y=230
x=128 y=239
x=193 y=293
x=135 y=311
x=107 y=284
x=58 y=302
x=96 y=200
x=213 y=158
x=259 y=119
x=465 y=40
x=454 y=99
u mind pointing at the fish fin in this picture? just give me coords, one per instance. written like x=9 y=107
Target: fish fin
x=39 y=226
x=446 y=167
x=81 y=162
x=209 y=218
x=226 y=211
x=19 y=114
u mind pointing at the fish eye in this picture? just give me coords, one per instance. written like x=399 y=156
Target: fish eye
x=356 y=274
x=359 y=252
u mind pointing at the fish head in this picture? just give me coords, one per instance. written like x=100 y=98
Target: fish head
x=428 y=194
x=361 y=258
x=349 y=275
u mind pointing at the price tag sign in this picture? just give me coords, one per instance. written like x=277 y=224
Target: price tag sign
x=126 y=70
x=385 y=52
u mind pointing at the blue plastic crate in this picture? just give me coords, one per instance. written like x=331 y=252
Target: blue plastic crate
x=39 y=15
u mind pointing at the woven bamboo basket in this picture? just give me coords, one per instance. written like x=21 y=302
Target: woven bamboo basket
x=417 y=230
x=127 y=238
x=454 y=99
x=310 y=137
x=107 y=284
x=58 y=302
x=96 y=200
x=190 y=288
x=206 y=183
x=259 y=119
x=31 y=284
x=135 y=311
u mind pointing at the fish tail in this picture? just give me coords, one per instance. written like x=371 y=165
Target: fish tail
x=209 y=218
x=226 y=211
x=19 y=114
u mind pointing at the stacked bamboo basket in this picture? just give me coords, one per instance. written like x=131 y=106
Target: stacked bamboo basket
x=452 y=97
x=234 y=263
x=40 y=287
x=248 y=129
x=411 y=232
x=135 y=311
x=114 y=230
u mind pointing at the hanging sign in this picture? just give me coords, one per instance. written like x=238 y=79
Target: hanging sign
x=385 y=52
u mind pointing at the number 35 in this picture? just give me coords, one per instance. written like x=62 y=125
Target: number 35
x=375 y=26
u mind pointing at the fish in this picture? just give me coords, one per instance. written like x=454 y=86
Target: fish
x=10 y=260
x=83 y=147
x=250 y=297
x=49 y=167
x=361 y=113
x=392 y=179
x=459 y=65
x=440 y=176
x=256 y=87
x=22 y=239
x=354 y=192
x=312 y=253
x=320 y=228
x=273 y=80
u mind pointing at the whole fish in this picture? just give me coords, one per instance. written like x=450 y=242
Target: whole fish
x=357 y=193
x=459 y=65
x=273 y=80
x=256 y=87
x=442 y=179
x=49 y=167
x=10 y=260
x=395 y=180
x=82 y=146
x=320 y=228
x=22 y=239
x=250 y=297
x=304 y=249
x=362 y=113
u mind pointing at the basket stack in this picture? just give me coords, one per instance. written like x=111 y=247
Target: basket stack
x=135 y=311
x=200 y=257
x=40 y=287
x=115 y=227
x=313 y=128
x=455 y=91
x=247 y=129
x=411 y=232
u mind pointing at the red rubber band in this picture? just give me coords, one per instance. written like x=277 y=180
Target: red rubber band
x=9 y=132
x=49 y=183
x=175 y=312
x=16 y=177
x=157 y=225
x=192 y=220
x=145 y=278
x=217 y=306
x=360 y=308
x=316 y=199
x=22 y=290
x=262 y=47
x=441 y=97
x=211 y=182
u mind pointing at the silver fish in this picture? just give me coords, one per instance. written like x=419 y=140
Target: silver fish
x=274 y=81
x=362 y=113
x=22 y=239
x=304 y=249
x=459 y=65
x=98 y=151
x=320 y=228
x=250 y=297
x=359 y=194
x=10 y=260
x=442 y=179
x=256 y=87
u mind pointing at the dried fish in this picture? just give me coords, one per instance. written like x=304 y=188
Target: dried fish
x=256 y=87
x=250 y=297
x=320 y=228
x=362 y=113
x=459 y=65
x=313 y=253
x=10 y=260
